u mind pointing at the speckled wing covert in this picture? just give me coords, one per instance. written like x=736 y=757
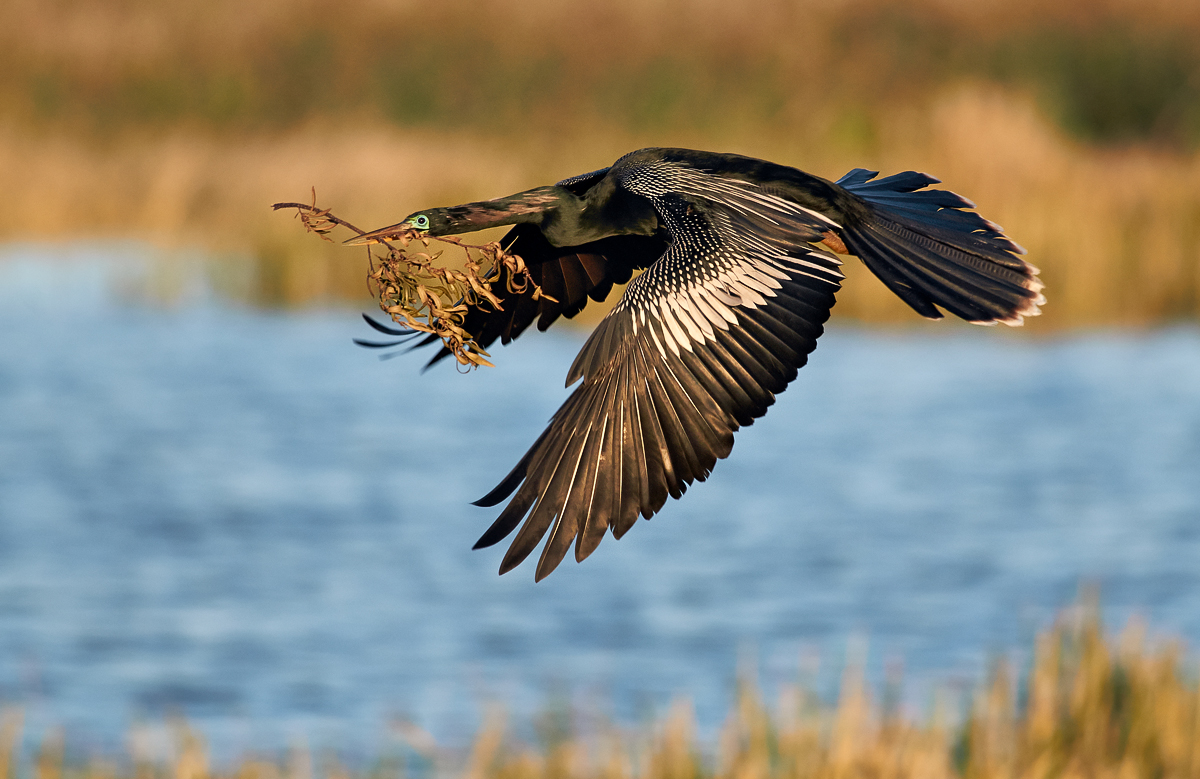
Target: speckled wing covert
x=697 y=347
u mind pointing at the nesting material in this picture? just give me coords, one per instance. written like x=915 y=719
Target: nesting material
x=422 y=294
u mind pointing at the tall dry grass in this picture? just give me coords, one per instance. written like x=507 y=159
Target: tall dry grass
x=1076 y=125
x=1088 y=707
x=1116 y=233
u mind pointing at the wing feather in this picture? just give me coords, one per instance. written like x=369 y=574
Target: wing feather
x=599 y=496
x=575 y=282
x=697 y=347
x=595 y=266
x=542 y=514
x=660 y=472
x=635 y=482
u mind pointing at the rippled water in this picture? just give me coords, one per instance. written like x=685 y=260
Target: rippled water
x=241 y=516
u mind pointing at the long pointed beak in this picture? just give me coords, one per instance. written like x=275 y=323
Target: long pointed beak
x=380 y=235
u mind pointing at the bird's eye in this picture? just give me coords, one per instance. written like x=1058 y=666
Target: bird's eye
x=422 y=222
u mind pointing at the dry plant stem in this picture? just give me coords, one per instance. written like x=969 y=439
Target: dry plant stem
x=315 y=219
x=425 y=297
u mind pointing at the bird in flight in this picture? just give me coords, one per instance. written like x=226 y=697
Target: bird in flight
x=739 y=261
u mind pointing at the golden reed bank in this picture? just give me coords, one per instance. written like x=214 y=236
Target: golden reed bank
x=1076 y=126
x=1088 y=707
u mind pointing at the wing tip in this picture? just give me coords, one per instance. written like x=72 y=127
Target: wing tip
x=512 y=559
x=493 y=498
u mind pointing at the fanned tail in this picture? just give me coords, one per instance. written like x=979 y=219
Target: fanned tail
x=930 y=252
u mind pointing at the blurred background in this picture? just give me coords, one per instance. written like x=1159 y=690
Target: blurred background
x=212 y=504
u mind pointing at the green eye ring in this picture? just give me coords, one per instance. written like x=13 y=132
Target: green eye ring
x=421 y=222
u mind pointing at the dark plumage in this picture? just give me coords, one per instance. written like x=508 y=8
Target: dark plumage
x=740 y=273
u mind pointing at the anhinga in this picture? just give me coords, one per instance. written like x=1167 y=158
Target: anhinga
x=739 y=276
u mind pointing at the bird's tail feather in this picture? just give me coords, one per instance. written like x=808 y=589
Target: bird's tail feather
x=931 y=253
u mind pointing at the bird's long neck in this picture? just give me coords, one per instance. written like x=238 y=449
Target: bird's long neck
x=530 y=206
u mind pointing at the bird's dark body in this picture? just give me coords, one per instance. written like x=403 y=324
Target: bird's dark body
x=740 y=274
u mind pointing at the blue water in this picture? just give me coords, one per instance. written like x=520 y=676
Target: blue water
x=240 y=516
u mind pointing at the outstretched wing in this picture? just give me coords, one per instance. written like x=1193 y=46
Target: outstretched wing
x=569 y=275
x=697 y=347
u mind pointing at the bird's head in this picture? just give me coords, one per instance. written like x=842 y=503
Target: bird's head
x=433 y=221
x=430 y=222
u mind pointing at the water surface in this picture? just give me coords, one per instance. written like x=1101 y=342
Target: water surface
x=239 y=515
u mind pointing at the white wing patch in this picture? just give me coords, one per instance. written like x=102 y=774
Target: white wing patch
x=711 y=268
x=732 y=247
x=744 y=196
x=656 y=179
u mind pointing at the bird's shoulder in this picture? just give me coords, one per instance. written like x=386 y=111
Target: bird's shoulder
x=658 y=170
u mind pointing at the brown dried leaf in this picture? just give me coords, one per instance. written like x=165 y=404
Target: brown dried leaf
x=422 y=296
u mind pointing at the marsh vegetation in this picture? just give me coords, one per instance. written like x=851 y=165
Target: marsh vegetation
x=1087 y=705
x=1074 y=126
